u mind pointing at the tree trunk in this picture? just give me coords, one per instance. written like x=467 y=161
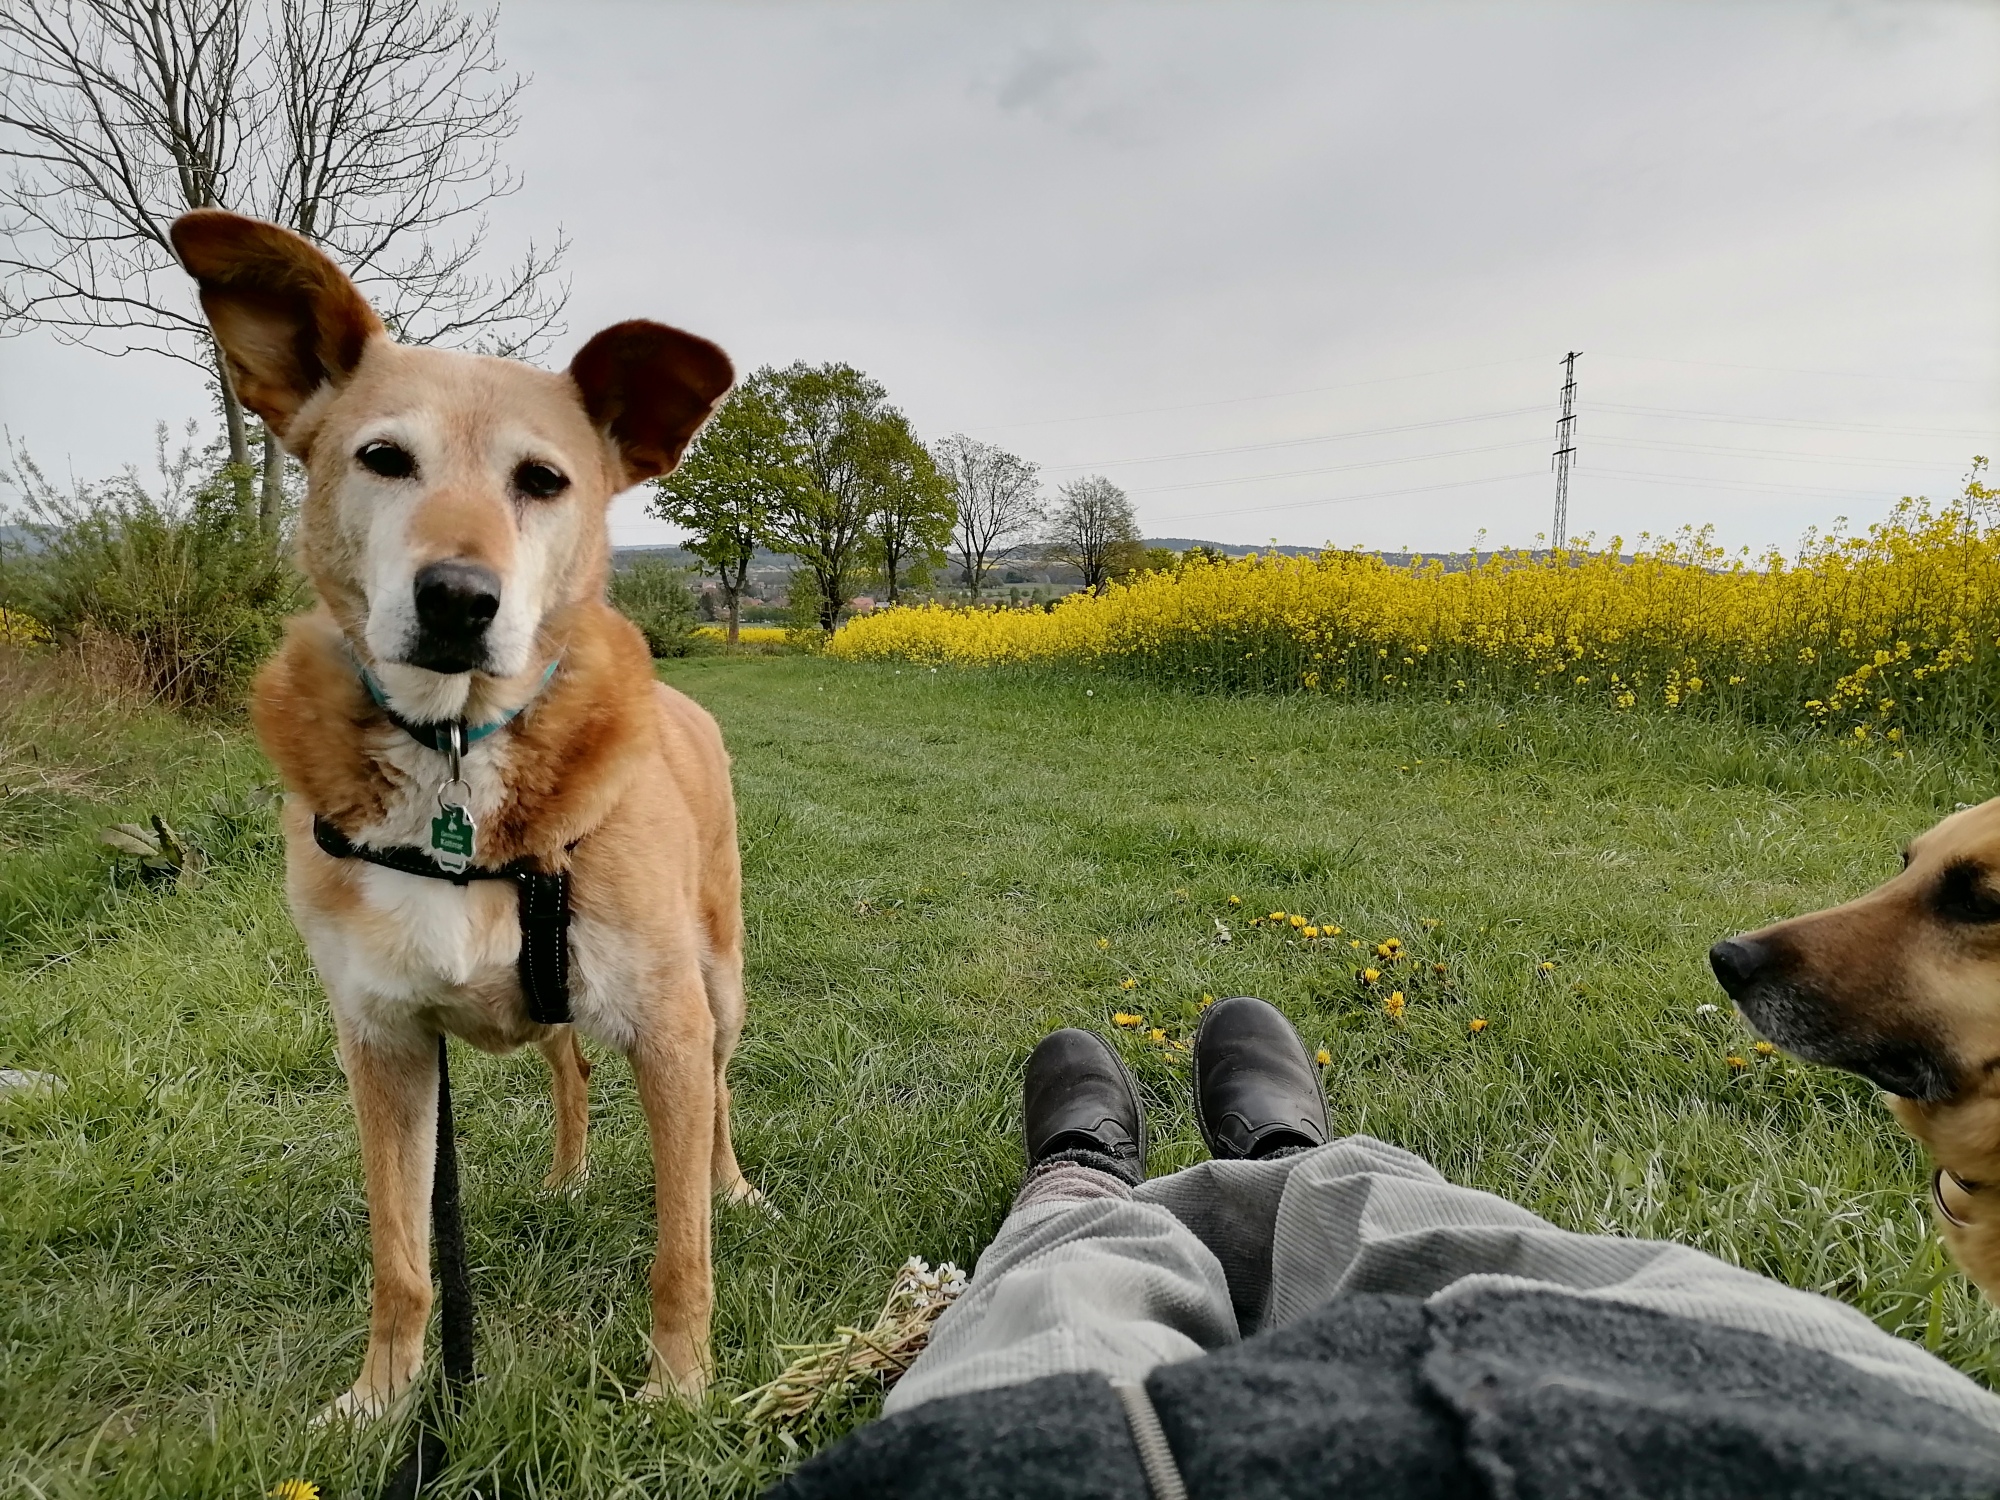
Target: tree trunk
x=271 y=503
x=734 y=615
x=829 y=603
x=973 y=568
x=239 y=440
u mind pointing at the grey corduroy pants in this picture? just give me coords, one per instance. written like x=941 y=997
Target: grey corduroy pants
x=1120 y=1281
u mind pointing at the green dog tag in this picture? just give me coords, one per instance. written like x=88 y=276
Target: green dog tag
x=452 y=837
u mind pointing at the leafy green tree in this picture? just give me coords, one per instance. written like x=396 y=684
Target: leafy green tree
x=854 y=453
x=744 y=468
x=914 y=509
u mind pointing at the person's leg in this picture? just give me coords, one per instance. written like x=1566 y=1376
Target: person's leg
x=1360 y=1216
x=1081 y=1277
x=1098 y=1270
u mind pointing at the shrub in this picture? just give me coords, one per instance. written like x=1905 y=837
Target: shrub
x=180 y=574
x=655 y=596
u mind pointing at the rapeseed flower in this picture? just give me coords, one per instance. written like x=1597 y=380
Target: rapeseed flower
x=1905 y=614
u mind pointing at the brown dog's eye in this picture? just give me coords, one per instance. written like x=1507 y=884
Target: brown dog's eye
x=387 y=460
x=1962 y=895
x=540 y=481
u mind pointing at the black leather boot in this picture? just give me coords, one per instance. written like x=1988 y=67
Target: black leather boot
x=1077 y=1097
x=1255 y=1089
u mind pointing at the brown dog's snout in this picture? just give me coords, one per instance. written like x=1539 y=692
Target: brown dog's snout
x=1738 y=963
x=456 y=600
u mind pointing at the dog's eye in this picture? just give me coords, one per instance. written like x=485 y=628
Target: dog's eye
x=387 y=460
x=1962 y=895
x=540 y=481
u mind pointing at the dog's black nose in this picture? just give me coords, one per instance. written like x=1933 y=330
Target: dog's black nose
x=1737 y=963
x=456 y=601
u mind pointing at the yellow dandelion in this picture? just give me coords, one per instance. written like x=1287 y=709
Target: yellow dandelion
x=295 y=1489
x=1394 y=1004
x=1369 y=976
x=1104 y=942
x=1476 y=1024
x=1331 y=931
x=1323 y=1057
x=1296 y=920
x=1764 y=1049
x=1277 y=916
x=1394 y=945
x=1546 y=967
x=1440 y=970
x=1207 y=1001
x=1737 y=1062
x=1354 y=942
x=1157 y=1034
x=1126 y=1018
x=1235 y=900
x=1128 y=984
x=1311 y=932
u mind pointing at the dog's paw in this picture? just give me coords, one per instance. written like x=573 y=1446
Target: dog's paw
x=561 y=1179
x=363 y=1404
x=740 y=1192
x=688 y=1389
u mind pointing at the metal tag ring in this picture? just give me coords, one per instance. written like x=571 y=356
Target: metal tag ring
x=447 y=786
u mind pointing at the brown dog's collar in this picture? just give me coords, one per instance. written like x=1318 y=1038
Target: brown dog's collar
x=1937 y=1194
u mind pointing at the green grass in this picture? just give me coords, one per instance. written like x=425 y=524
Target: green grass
x=939 y=869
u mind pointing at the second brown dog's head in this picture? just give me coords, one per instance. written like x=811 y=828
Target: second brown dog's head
x=1901 y=985
x=456 y=503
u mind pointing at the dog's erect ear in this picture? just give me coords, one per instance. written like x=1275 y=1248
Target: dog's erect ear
x=650 y=387
x=286 y=317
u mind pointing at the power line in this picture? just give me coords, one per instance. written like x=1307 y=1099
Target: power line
x=1664 y=445
x=1716 y=416
x=1749 y=486
x=1331 y=437
x=1375 y=463
x=1418 y=489
x=1710 y=364
x=1147 y=411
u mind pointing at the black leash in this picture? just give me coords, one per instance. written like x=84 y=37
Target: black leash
x=427 y=1456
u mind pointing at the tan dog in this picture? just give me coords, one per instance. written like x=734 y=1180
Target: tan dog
x=1903 y=987
x=454 y=527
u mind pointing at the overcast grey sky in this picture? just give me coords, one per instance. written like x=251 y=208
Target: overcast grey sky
x=1301 y=272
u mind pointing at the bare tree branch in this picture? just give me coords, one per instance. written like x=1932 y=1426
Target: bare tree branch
x=999 y=503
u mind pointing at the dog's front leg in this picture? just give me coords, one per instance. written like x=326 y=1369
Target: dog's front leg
x=394 y=1086
x=673 y=1064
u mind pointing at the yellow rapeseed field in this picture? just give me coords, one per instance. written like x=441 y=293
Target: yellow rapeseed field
x=1873 y=635
x=748 y=635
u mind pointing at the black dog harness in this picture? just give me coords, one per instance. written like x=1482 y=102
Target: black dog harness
x=543 y=896
x=543 y=901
